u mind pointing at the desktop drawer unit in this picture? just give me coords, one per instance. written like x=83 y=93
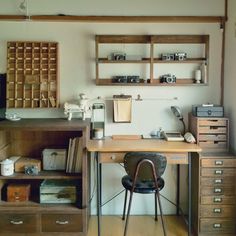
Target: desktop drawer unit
x=212 y=134
x=214 y=200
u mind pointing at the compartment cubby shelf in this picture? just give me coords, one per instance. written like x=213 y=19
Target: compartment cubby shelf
x=32 y=75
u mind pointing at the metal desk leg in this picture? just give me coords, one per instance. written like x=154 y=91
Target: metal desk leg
x=178 y=188
x=98 y=192
x=189 y=195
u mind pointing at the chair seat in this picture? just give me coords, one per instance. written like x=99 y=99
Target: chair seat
x=142 y=186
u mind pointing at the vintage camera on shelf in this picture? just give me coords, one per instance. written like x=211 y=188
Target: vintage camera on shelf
x=168 y=56
x=180 y=56
x=168 y=78
x=119 y=79
x=118 y=56
x=133 y=79
x=31 y=170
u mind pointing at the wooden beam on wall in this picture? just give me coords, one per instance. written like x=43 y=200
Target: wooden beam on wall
x=116 y=19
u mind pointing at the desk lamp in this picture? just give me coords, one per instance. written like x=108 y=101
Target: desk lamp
x=177 y=112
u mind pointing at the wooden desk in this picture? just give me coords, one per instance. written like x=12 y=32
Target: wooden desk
x=108 y=151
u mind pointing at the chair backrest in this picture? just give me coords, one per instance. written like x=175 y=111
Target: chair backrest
x=132 y=159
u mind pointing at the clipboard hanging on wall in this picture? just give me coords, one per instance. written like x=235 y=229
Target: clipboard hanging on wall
x=122 y=108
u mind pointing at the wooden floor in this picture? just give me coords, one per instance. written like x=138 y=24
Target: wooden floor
x=138 y=226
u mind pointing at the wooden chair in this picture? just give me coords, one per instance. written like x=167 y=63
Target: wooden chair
x=144 y=171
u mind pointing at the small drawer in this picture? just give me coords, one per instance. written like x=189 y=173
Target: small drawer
x=218 y=226
x=217 y=181
x=215 y=162
x=61 y=223
x=213 y=144
x=212 y=130
x=218 y=190
x=221 y=200
x=20 y=223
x=218 y=211
x=217 y=172
x=212 y=122
x=212 y=137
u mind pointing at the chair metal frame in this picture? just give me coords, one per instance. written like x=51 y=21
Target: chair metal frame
x=155 y=176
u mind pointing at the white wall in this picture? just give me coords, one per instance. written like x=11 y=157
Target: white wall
x=77 y=70
x=230 y=72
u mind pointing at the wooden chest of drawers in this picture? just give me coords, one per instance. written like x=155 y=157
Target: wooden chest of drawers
x=214 y=199
x=211 y=133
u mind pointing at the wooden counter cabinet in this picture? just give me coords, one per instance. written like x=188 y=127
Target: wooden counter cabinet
x=29 y=137
x=214 y=196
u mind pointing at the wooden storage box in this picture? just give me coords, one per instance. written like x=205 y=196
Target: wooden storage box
x=25 y=161
x=58 y=191
x=18 y=192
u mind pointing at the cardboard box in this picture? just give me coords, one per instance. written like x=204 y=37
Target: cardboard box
x=25 y=161
x=58 y=191
x=18 y=192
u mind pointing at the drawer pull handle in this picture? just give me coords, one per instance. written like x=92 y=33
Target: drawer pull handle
x=218 y=181
x=113 y=157
x=218 y=172
x=218 y=163
x=217 y=210
x=217 y=226
x=14 y=222
x=217 y=190
x=60 y=222
x=217 y=199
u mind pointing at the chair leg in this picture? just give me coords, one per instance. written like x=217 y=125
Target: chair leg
x=124 y=209
x=156 y=219
x=127 y=218
x=160 y=207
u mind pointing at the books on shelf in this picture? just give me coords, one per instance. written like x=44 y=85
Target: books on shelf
x=74 y=156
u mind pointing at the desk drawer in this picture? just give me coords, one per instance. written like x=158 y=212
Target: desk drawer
x=221 y=200
x=216 y=162
x=217 y=172
x=217 y=226
x=61 y=223
x=212 y=130
x=218 y=190
x=172 y=158
x=20 y=223
x=218 y=211
x=212 y=137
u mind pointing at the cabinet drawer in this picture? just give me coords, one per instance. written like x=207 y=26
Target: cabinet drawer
x=218 y=190
x=213 y=144
x=212 y=130
x=20 y=223
x=217 y=181
x=61 y=223
x=217 y=226
x=222 y=200
x=212 y=137
x=212 y=122
x=215 y=162
x=218 y=211
x=217 y=172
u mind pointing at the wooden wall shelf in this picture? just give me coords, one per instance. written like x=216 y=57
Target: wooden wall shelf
x=116 y=19
x=32 y=75
x=151 y=57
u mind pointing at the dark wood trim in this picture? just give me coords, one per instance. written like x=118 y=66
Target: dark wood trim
x=222 y=81
x=117 y=19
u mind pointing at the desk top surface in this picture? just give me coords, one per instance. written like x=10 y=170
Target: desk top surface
x=142 y=145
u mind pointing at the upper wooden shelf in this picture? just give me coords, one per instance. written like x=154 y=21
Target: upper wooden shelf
x=116 y=19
